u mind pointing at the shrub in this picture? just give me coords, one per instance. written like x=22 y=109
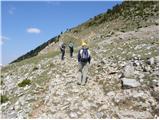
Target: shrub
x=1 y=82
x=4 y=98
x=35 y=68
x=24 y=83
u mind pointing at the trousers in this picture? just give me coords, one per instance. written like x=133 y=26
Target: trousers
x=82 y=72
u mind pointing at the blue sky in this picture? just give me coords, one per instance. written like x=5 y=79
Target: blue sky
x=25 y=25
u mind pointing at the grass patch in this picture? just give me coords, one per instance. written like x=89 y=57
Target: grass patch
x=32 y=60
x=24 y=83
x=4 y=98
x=42 y=79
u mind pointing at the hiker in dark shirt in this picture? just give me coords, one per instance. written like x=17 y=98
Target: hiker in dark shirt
x=62 y=48
x=71 y=49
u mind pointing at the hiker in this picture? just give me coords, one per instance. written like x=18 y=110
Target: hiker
x=71 y=49
x=62 y=48
x=84 y=59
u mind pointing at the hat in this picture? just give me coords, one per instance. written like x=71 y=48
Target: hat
x=84 y=44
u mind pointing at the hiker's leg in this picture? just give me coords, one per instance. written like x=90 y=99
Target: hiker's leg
x=63 y=55
x=70 y=53
x=84 y=72
x=79 y=73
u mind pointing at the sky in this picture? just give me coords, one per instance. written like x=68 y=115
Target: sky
x=27 y=24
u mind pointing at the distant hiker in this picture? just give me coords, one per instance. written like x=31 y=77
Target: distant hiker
x=84 y=59
x=62 y=48
x=71 y=49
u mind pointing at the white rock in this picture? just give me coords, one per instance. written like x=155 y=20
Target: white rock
x=111 y=93
x=86 y=104
x=129 y=70
x=138 y=94
x=99 y=115
x=73 y=115
x=130 y=82
x=128 y=114
x=12 y=115
x=151 y=61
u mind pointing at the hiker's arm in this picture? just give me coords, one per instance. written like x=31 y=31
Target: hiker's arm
x=89 y=60
x=62 y=48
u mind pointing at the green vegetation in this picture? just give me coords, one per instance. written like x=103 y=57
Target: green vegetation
x=36 y=59
x=127 y=11
x=33 y=60
x=4 y=98
x=1 y=82
x=35 y=68
x=35 y=52
x=24 y=83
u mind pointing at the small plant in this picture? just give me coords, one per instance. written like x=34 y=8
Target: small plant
x=1 y=82
x=24 y=83
x=35 y=68
x=4 y=98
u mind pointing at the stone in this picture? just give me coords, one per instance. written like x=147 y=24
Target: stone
x=138 y=94
x=129 y=71
x=21 y=114
x=141 y=80
x=12 y=115
x=139 y=74
x=30 y=97
x=73 y=115
x=130 y=83
x=136 y=63
x=99 y=115
x=27 y=87
x=150 y=61
x=146 y=68
x=130 y=114
x=111 y=93
x=155 y=82
x=86 y=115
x=86 y=104
x=17 y=105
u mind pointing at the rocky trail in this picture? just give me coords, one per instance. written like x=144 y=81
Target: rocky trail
x=123 y=77
x=101 y=97
x=116 y=88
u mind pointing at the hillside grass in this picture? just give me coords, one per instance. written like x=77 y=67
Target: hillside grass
x=33 y=60
x=126 y=50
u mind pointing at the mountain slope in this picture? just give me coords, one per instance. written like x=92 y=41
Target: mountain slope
x=124 y=17
x=122 y=79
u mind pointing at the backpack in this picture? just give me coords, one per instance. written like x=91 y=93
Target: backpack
x=71 y=45
x=62 y=46
x=84 y=55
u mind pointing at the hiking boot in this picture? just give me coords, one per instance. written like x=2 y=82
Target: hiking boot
x=78 y=83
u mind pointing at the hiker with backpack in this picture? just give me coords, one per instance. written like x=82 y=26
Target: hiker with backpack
x=71 y=49
x=62 y=48
x=84 y=59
